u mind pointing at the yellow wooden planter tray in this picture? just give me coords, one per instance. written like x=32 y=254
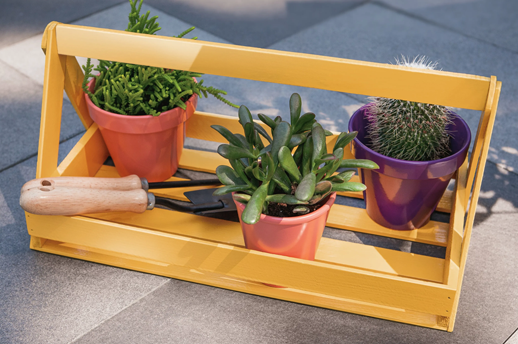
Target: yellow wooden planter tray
x=345 y=276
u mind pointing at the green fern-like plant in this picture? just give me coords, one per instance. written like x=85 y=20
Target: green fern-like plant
x=134 y=90
x=409 y=130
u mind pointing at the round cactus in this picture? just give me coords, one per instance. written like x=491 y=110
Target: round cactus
x=408 y=130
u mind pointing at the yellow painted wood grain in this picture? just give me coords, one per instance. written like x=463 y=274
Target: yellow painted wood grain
x=328 y=279
x=87 y=156
x=241 y=285
x=52 y=103
x=335 y=74
x=330 y=250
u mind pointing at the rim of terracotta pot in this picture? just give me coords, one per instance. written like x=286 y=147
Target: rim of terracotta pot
x=406 y=169
x=294 y=220
x=143 y=124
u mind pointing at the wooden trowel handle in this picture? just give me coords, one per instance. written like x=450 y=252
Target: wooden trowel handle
x=47 y=200
x=132 y=182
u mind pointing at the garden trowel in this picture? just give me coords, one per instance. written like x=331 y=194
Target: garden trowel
x=86 y=195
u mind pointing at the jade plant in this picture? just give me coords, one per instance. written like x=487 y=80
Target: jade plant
x=409 y=130
x=129 y=89
x=290 y=173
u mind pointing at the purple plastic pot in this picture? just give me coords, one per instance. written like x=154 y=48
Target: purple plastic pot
x=403 y=194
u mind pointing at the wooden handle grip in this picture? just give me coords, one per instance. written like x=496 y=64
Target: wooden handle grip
x=47 y=200
x=132 y=182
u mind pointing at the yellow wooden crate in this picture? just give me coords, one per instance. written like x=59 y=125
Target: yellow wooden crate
x=345 y=276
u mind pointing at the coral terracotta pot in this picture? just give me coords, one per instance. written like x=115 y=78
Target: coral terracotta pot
x=297 y=236
x=403 y=194
x=147 y=146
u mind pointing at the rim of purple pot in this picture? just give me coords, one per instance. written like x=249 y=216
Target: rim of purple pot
x=406 y=169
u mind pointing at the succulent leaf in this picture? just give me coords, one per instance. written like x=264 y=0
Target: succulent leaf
x=319 y=141
x=233 y=152
x=267 y=120
x=306 y=188
x=323 y=187
x=244 y=116
x=240 y=197
x=231 y=138
x=228 y=176
x=358 y=163
x=307 y=156
x=349 y=186
x=344 y=139
x=249 y=134
x=288 y=163
x=282 y=180
x=301 y=210
x=281 y=137
x=283 y=198
x=263 y=132
x=295 y=108
x=253 y=209
x=230 y=188
x=297 y=140
x=305 y=120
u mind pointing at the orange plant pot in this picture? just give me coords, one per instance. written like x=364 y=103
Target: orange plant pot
x=147 y=146
x=297 y=236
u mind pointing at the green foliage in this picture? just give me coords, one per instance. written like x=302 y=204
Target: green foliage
x=135 y=90
x=408 y=130
x=293 y=169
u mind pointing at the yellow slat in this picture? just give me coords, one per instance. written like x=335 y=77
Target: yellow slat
x=328 y=279
x=87 y=156
x=222 y=281
x=334 y=74
x=477 y=184
x=356 y=219
x=330 y=250
x=52 y=103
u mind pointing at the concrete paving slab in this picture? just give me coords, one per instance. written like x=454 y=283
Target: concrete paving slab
x=51 y=299
x=20 y=112
x=492 y=21
x=22 y=19
x=254 y=23
x=374 y=33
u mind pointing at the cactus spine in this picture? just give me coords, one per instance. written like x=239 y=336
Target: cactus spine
x=408 y=130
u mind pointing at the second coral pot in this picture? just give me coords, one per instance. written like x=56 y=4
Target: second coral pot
x=148 y=146
x=403 y=194
x=297 y=236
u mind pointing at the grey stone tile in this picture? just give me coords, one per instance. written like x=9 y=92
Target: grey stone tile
x=20 y=113
x=377 y=34
x=51 y=299
x=491 y=21
x=23 y=19
x=254 y=23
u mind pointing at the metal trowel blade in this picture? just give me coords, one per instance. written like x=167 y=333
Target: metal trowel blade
x=205 y=196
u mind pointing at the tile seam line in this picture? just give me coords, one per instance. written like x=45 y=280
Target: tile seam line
x=512 y=334
x=36 y=154
x=428 y=21
x=120 y=311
